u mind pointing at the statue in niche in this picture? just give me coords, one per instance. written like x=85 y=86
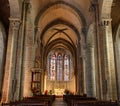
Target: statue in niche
x=37 y=63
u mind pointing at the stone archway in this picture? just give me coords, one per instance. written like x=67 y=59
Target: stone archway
x=57 y=27
x=58 y=79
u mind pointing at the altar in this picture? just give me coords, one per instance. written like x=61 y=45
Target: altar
x=59 y=91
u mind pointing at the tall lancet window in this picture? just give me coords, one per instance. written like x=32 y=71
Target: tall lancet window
x=66 y=68
x=59 y=67
x=52 y=71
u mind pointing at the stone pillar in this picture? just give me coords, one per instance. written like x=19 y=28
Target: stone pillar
x=84 y=76
x=90 y=71
x=29 y=50
x=83 y=57
x=109 y=60
x=9 y=84
x=117 y=56
x=94 y=9
x=2 y=54
x=78 y=80
x=42 y=67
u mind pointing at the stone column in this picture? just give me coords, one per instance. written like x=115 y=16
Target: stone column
x=42 y=67
x=117 y=56
x=78 y=80
x=29 y=50
x=84 y=76
x=90 y=71
x=83 y=57
x=9 y=84
x=2 y=53
x=94 y=9
x=111 y=92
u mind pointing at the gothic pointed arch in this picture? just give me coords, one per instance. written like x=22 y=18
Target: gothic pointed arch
x=62 y=11
x=56 y=29
x=60 y=42
x=49 y=5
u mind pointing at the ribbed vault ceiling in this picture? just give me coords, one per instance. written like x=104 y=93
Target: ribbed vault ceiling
x=70 y=13
x=60 y=22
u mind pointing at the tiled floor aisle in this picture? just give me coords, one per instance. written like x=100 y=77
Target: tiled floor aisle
x=59 y=102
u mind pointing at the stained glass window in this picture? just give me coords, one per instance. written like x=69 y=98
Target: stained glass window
x=59 y=67
x=66 y=68
x=52 y=67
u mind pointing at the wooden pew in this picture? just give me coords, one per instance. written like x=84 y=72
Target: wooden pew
x=77 y=100
x=47 y=98
x=71 y=98
x=94 y=103
x=26 y=103
x=41 y=100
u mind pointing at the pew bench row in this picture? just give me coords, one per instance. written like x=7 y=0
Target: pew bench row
x=41 y=100
x=77 y=100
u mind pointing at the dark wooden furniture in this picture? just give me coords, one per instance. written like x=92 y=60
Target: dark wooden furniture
x=77 y=100
x=41 y=100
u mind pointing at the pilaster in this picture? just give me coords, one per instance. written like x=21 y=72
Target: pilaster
x=29 y=50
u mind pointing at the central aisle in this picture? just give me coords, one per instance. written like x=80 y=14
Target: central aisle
x=59 y=102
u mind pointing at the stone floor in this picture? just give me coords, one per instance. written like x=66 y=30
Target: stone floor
x=59 y=102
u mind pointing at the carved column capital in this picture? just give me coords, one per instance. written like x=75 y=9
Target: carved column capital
x=15 y=23
x=106 y=21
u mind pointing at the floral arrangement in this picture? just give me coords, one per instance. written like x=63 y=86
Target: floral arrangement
x=50 y=92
